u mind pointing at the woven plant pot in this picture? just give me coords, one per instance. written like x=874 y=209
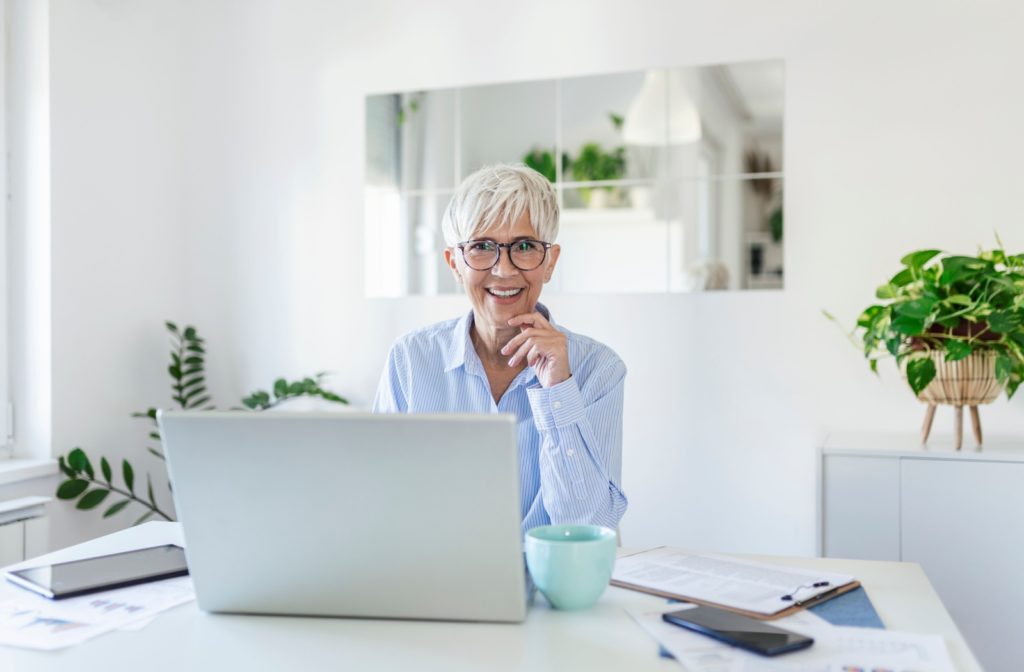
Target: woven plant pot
x=968 y=382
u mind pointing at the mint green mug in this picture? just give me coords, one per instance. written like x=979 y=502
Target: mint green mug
x=571 y=564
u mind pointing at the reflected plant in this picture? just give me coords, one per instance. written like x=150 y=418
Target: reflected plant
x=188 y=392
x=543 y=161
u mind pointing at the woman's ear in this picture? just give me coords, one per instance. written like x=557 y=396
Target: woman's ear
x=449 y=258
x=552 y=260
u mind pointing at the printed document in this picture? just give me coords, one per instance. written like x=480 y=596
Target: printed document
x=739 y=584
x=33 y=621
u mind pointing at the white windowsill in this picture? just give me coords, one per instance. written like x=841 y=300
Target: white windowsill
x=24 y=468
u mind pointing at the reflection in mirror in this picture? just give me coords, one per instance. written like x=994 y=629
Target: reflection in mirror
x=674 y=177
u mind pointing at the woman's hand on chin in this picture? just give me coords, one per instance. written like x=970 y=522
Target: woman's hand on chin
x=542 y=346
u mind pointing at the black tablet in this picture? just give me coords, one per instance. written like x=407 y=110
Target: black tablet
x=68 y=579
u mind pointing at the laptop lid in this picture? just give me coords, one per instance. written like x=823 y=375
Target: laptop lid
x=350 y=514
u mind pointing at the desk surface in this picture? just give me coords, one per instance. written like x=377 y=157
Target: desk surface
x=603 y=638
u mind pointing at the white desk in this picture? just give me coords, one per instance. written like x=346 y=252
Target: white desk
x=603 y=638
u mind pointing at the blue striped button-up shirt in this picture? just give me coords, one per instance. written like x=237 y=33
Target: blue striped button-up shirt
x=570 y=434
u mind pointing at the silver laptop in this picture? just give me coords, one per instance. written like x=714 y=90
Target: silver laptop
x=350 y=514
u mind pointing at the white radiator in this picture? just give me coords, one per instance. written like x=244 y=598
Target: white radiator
x=24 y=529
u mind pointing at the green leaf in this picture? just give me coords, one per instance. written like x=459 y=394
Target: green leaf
x=918 y=308
x=194 y=393
x=920 y=372
x=115 y=508
x=77 y=460
x=171 y=327
x=909 y=326
x=199 y=402
x=149 y=487
x=918 y=259
x=331 y=396
x=948 y=322
x=157 y=453
x=957 y=350
x=129 y=475
x=960 y=300
x=250 y=402
x=143 y=518
x=1013 y=384
x=280 y=387
x=92 y=498
x=105 y=468
x=1004 y=367
x=885 y=291
x=295 y=388
x=198 y=380
x=873 y=363
x=72 y=488
x=194 y=360
x=190 y=333
x=64 y=468
x=1004 y=321
x=955 y=269
x=903 y=278
x=155 y=436
x=195 y=347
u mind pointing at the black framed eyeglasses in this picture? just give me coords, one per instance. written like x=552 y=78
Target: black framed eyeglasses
x=525 y=254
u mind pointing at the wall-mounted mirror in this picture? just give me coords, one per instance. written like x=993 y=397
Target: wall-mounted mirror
x=673 y=177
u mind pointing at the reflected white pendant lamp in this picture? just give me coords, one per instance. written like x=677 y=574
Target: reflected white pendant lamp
x=663 y=92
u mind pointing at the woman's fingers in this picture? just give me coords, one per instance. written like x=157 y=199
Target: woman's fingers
x=535 y=318
x=518 y=339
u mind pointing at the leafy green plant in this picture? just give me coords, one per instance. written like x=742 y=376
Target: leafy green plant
x=594 y=164
x=543 y=161
x=188 y=392
x=950 y=303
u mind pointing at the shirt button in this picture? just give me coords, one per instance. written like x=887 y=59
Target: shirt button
x=557 y=404
x=570 y=452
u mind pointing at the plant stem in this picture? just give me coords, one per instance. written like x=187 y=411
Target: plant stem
x=127 y=494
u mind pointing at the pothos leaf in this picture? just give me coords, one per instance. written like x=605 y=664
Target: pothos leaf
x=920 y=372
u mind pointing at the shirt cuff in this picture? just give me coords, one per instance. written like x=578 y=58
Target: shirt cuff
x=556 y=406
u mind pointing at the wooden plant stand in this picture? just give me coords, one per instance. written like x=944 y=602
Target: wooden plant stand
x=969 y=382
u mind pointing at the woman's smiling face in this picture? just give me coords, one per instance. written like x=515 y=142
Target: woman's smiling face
x=503 y=291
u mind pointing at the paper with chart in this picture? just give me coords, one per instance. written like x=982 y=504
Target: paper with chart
x=731 y=582
x=835 y=648
x=35 y=622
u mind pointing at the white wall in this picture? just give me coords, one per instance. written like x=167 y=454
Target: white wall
x=208 y=161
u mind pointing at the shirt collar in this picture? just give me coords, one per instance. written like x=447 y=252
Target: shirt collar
x=461 y=342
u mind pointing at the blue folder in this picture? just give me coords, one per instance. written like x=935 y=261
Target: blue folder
x=852 y=608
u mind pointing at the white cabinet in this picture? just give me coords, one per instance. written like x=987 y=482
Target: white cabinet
x=24 y=529
x=960 y=515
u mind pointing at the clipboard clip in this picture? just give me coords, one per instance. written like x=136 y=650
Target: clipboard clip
x=791 y=595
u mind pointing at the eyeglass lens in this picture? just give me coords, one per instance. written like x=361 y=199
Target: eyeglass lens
x=482 y=255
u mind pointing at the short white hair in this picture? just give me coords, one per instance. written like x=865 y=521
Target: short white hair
x=500 y=194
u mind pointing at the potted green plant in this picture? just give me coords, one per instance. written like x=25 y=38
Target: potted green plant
x=543 y=161
x=594 y=164
x=955 y=326
x=91 y=487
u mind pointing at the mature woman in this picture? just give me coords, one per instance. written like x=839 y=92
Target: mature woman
x=507 y=355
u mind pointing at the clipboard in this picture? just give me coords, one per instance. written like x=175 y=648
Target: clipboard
x=792 y=609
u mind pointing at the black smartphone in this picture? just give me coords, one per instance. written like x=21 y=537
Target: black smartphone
x=740 y=631
x=68 y=579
